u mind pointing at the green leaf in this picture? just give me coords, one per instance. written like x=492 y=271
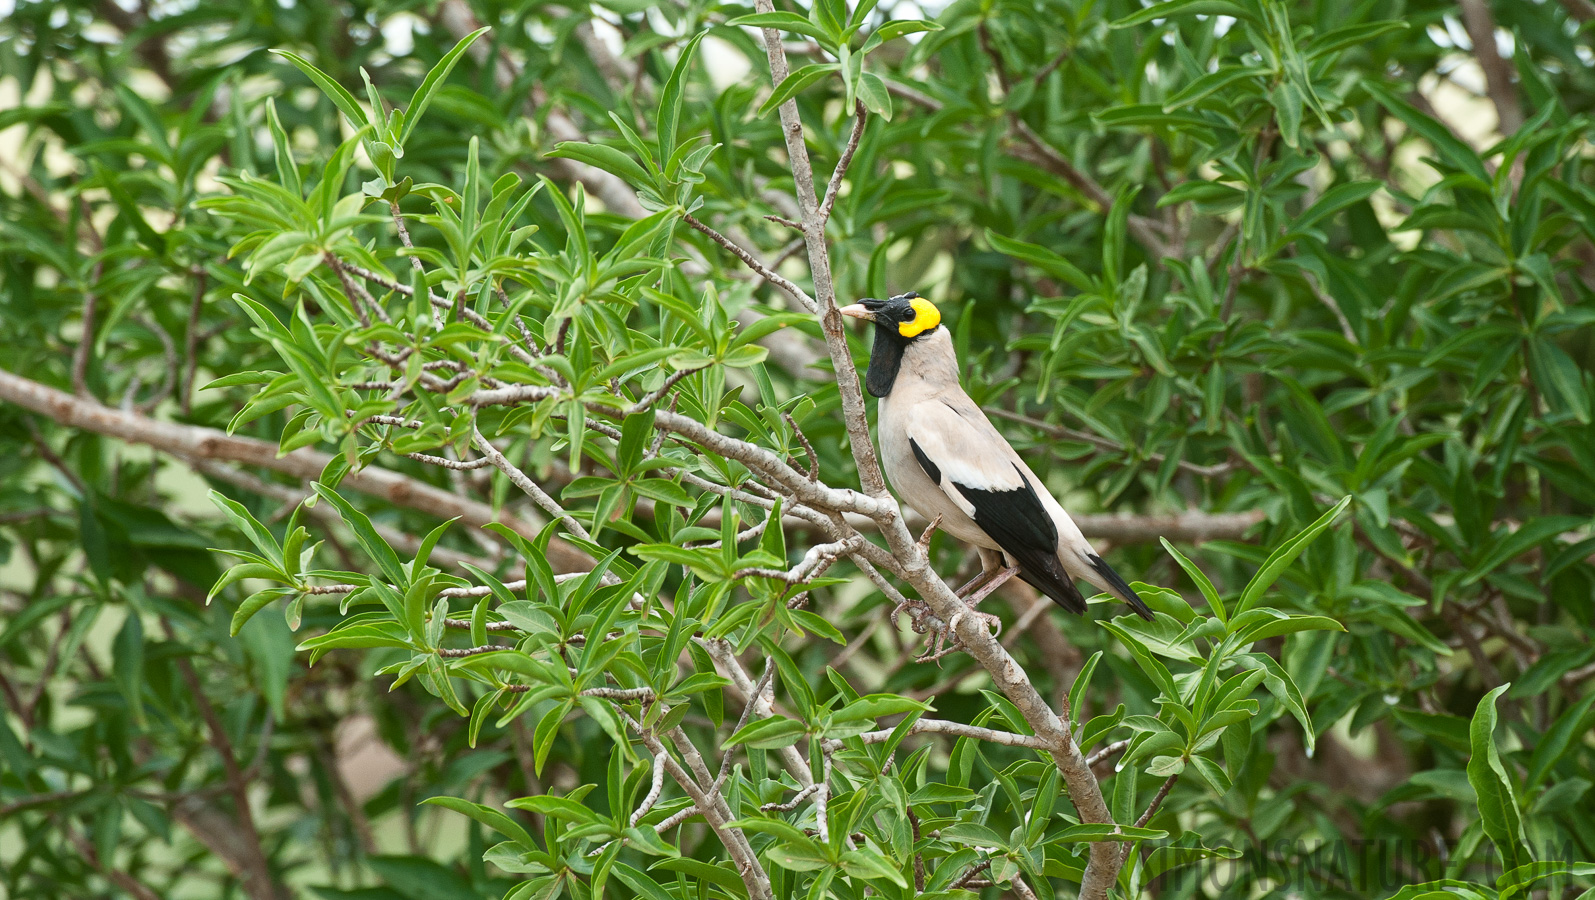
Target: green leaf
x=1172 y=8
x=1283 y=687
x=364 y=532
x=127 y=662
x=1452 y=150
x=877 y=99
x=899 y=27
x=1043 y=259
x=1281 y=558
x=1214 y=602
x=337 y=93
x=1498 y=808
x=1516 y=881
x=785 y=21
x=1553 y=745
x=487 y=815
x=670 y=98
x=1094 y=833
x=769 y=734
x=794 y=83
x=869 y=865
x=422 y=98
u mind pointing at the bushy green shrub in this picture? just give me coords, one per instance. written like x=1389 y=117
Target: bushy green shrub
x=534 y=449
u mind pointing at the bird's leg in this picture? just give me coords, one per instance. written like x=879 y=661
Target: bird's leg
x=991 y=562
x=997 y=580
x=970 y=584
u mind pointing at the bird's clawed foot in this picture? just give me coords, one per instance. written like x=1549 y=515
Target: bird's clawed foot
x=944 y=635
x=924 y=539
x=944 y=638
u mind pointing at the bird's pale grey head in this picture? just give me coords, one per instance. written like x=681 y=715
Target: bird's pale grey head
x=899 y=321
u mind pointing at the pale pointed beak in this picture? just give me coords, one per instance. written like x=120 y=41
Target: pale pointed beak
x=857 y=311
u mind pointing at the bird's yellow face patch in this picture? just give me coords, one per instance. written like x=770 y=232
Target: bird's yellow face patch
x=926 y=317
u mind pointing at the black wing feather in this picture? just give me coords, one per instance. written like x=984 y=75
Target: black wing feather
x=1019 y=523
x=1120 y=586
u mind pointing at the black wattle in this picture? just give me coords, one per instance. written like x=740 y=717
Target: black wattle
x=884 y=359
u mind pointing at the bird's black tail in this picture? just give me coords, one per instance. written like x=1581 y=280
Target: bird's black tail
x=1054 y=582
x=1118 y=586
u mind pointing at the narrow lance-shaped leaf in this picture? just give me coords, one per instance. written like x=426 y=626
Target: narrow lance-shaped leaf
x=1493 y=786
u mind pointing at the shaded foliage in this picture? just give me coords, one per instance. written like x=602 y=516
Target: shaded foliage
x=1209 y=256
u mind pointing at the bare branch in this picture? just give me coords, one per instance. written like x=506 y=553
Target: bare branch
x=971 y=875
x=715 y=812
x=859 y=119
x=1157 y=801
x=955 y=729
x=728 y=664
x=463 y=652
x=1480 y=23
x=198 y=443
x=620 y=695
x=80 y=353
x=767 y=463
x=1105 y=752
x=455 y=464
x=795 y=802
x=748 y=259
x=815 y=561
x=644 y=403
x=526 y=484
x=513 y=394
x=852 y=397
x=814 y=459
x=747 y=710
x=654 y=791
x=1096 y=440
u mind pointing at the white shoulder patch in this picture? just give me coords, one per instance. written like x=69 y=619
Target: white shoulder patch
x=970 y=453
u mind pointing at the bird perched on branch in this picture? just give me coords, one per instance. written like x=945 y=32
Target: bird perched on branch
x=949 y=463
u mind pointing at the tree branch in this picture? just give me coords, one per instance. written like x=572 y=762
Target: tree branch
x=955 y=729
x=257 y=873
x=1476 y=17
x=748 y=259
x=869 y=470
x=835 y=184
x=200 y=443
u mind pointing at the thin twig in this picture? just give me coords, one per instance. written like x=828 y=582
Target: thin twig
x=859 y=119
x=795 y=802
x=814 y=459
x=258 y=876
x=191 y=341
x=747 y=710
x=955 y=729
x=748 y=259
x=1157 y=800
x=1105 y=752
x=527 y=485
x=971 y=875
x=648 y=802
x=455 y=464
x=463 y=652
